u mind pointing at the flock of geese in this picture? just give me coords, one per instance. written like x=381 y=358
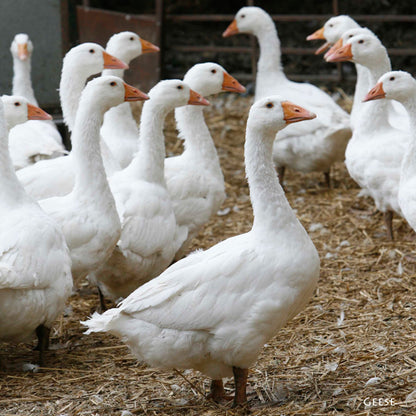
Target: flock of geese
x=115 y=210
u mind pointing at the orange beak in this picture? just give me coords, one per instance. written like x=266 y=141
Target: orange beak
x=133 y=94
x=334 y=48
x=22 y=51
x=322 y=48
x=232 y=29
x=375 y=93
x=319 y=34
x=294 y=113
x=342 y=54
x=36 y=113
x=148 y=47
x=197 y=99
x=231 y=84
x=110 y=62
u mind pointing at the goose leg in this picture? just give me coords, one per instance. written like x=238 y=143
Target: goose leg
x=102 y=308
x=281 y=173
x=388 y=219
x=240 y=380
x=328 y=179
x=42 y=332
x=217 y=392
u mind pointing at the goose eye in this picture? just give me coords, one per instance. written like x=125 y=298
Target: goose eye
x=214 y=71
x=113 y=83
x=17 y=103
x=179 y=87
x=392 y=78
x=132 y=38
x=269 y=105
x=243 y=16
x=331 y=25
x=361 y=41
x=91 y=51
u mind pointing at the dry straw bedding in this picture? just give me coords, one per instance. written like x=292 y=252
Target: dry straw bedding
x=355 y=341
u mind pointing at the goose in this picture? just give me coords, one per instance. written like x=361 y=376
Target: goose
x=194 y=179
x=33 y=140
x=375 y=151
x=55 y=177
x=311 y=146
x=401 y=86
x=119 y=129
x=214 y=310
x=150 y=236
x=332 y=31
x=35 y=266
x=396 y=113
x=88 y=214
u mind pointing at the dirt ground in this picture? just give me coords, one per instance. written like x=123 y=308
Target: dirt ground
x=352 y=351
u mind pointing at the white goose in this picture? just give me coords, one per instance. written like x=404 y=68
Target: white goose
x=332 y=30
x=33 y=140
x=401 y=86
x=35 y=267
x=120 y=130
x=311 y=146
x=150 y=236
x=55 y=177
x=88 y=214
x=375 y=151
x=194 y=179
x=214 y=310
x=396 y=113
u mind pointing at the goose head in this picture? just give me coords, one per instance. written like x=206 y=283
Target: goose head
x=332 y=30
x=363 y=49
x=174 y=93
x=396 y=85
x=21 y=47
x=18 y=110
x=210 y=78
x=110 y=91
x=346 y=36
x=90 y=58
x=128 y=46
x=250 y=20
x=273 y=113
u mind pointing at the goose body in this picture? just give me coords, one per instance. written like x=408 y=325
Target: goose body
x=150 y=235
x=401 y=86
x=120 y=130
x=376 y=149
x=194 y=179
x=34 y=140
x=35 y=266
x=88 y=214
x=311 y=146
x=55 y=177
x=214 y=310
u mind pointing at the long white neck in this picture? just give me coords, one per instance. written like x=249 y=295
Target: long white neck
x=22 y=83
x=362 y=86
x=149 y=162
x=374 y=114
x=72 y=83
x=269 y=66
x=198 y=141
x=408 y=169
x=271 y=209
x=90 y=177
x=11 y=190
x=270 y=53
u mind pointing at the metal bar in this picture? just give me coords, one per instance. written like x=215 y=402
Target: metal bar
x=160 y=24
x=289 y=17
x=286 y=51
